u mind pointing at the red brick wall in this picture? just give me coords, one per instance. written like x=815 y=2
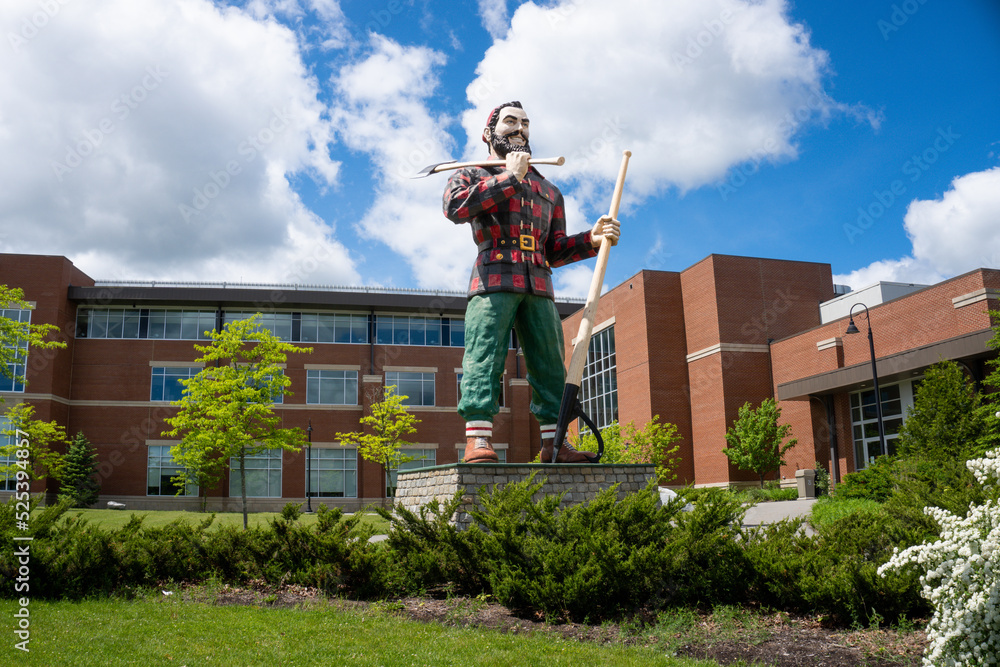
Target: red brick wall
x=907 y=323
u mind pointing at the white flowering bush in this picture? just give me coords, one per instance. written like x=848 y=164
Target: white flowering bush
x=961 y=577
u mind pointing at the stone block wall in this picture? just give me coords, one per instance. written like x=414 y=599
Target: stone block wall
x=580 y=483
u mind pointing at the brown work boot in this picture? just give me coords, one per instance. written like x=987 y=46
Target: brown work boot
x=479 y=450
x=567 y=454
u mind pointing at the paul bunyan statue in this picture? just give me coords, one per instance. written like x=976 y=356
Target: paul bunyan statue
x=518 y=223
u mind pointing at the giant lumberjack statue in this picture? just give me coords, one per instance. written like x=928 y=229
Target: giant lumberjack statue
x=519 y=226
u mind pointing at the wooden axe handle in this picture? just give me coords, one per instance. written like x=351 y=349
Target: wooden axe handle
x=558 y=161
x=582 y=341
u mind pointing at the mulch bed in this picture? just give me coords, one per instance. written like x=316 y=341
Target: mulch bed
x=780 y=640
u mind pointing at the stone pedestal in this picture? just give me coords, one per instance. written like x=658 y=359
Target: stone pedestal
x=806 y=482
x=580 y=483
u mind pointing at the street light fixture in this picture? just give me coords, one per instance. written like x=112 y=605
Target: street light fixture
x=309 y=457
x=852 y=329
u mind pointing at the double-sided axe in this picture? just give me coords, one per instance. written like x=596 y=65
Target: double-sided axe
x=452 y=164
x=571 y=407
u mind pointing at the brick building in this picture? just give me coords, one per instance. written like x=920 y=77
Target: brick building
x=694 y=346
x=129 y=344
x=690 y=346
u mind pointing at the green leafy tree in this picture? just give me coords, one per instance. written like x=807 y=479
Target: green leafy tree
x=653 y=443
x=945 y=421
x=226 y=409
x=40 y=438
x=388 y=423
x=989 y=409
x=755 y=439
x=79 y=485
x=16 y=338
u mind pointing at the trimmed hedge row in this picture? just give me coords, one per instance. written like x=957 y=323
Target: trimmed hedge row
x=606 y=559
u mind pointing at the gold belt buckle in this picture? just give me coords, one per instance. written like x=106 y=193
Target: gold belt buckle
x=527 y=243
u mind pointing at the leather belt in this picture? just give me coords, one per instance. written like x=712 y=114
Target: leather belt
x=525 y=242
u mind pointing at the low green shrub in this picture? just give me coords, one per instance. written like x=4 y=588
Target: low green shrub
x=828 y=509
x=835 y=571
x=72 y=559
x=876 y=482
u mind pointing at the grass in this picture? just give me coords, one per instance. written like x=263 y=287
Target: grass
x=828 y=509
x=167 y=631
x=115 y=519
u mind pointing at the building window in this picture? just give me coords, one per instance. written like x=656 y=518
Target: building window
x=141 y=323
x=417 y=387
x=8 y=478
x=864 y=422
x=166 y=384
x=599 y=387
x=12 y=379
x=160 y=471
x=458 y=391
x=278 y=324
x=324 y=387
x=420 y=458
x=332 y=328
x=334 y=473
x=263 y=475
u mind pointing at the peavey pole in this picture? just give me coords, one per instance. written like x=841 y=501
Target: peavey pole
x=571 y=407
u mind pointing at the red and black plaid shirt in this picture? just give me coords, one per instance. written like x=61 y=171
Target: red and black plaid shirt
x=501 y=209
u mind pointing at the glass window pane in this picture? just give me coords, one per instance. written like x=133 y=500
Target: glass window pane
x=433 y=332
x=309 y=327
x=172 y=325
x=383 y=331
x=458 y=333
x=359 y=329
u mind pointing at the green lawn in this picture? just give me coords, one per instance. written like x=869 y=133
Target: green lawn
x=167 y=631
x=112 y=519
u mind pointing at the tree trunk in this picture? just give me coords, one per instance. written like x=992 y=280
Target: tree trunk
x=243 y=484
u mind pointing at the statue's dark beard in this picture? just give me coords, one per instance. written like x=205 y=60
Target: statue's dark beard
x=502 y=146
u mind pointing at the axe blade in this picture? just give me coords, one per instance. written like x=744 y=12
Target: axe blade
x=433 y=169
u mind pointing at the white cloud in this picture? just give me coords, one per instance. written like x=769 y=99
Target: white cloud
x=691 y=87
x=157 y=140
x=495 y=17
x=957 y=233
x=383 y=107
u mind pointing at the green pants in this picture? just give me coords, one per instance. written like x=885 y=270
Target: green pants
x=489 y=319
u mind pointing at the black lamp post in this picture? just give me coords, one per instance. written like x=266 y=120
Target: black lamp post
x=851 y=329
x=309 y=457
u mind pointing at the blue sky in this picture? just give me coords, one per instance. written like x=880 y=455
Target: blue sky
x=271 y=140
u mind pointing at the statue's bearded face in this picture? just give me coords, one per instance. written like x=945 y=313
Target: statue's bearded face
x=510 y=133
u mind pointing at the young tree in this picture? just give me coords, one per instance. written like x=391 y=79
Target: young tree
x=78 y=483
x=945 y=421
x=38 y=437
x=17 y=337
x=226 y=409
x=755 y=439
x=653 y=443
x=389 y=422
x=989 y=409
